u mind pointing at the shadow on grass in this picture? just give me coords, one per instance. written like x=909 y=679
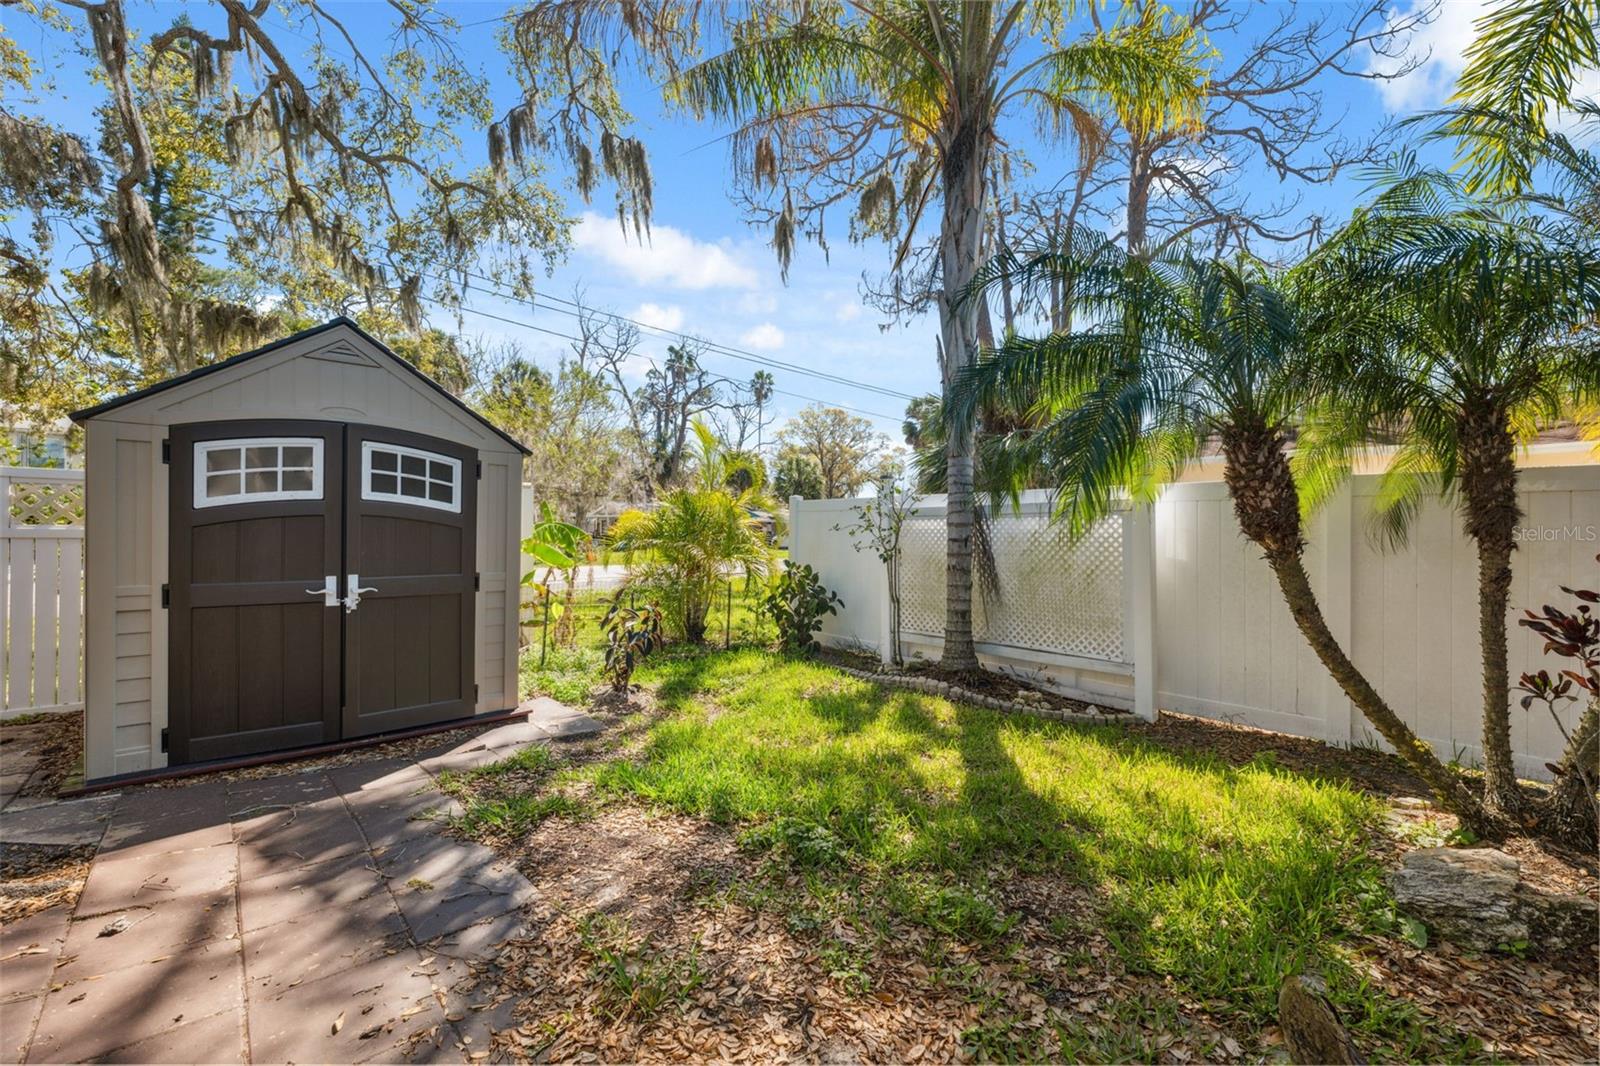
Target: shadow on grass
x=1221 y=876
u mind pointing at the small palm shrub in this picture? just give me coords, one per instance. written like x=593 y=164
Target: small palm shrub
x=692 y=543
x=631 y=634
x=796 y=603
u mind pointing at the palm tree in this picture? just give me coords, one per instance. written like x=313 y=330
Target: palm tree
x=1462 y=327
x=897 y=106
x=699 y=536
x=1182 y=352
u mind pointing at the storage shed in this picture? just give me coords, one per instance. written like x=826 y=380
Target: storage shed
x=308 y=543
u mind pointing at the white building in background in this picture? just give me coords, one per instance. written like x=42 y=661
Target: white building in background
x=33 y=443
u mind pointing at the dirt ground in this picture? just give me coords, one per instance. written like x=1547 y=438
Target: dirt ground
x=50 y=743
x=657 y=938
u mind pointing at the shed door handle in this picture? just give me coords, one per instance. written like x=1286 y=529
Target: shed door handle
x=329 y=591
x=353 y=591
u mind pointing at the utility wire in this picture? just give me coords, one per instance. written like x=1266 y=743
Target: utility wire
x=638 y=355
x=493 y=286
x=522 y=324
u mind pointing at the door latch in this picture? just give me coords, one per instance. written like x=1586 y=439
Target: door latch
x=353 y=591
x=329 y=591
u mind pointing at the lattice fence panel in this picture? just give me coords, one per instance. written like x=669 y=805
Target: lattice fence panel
x=45 y=503
x=1034 y=588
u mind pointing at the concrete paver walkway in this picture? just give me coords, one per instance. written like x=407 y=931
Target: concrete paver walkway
x=318 y=916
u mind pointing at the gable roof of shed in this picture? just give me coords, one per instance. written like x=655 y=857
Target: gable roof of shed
x=332 y=324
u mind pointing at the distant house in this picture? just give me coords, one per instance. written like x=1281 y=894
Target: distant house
x=31 y=443
x=598 y=522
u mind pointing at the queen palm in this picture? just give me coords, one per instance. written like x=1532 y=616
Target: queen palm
x=1462 y=328
x=1181 y=352
x=890 y=108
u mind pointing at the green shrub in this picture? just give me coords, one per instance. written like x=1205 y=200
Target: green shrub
x=631 y=634
x=796 y=603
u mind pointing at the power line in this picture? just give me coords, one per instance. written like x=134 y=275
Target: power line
x=463 y=306
x=716 y=347
x=636 y=355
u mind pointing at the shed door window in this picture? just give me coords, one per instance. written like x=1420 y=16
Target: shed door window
x=399 y=474
x=257 y=470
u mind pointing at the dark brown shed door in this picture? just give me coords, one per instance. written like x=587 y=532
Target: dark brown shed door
x=256 y=533
x=322 y=585
x=412 y=546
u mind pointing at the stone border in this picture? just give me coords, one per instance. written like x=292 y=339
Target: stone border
x=1037 y=708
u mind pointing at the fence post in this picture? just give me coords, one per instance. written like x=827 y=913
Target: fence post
x=1140 y=530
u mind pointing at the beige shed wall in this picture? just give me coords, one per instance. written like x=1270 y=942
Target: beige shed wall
x=332 y=376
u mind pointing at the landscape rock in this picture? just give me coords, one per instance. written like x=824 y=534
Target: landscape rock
x=1475 y=897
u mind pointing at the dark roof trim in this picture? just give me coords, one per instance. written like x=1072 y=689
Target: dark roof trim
x=334 y=323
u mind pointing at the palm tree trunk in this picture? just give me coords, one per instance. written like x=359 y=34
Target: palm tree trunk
x=1572 y=813
x=1267 y=505
x=960 y=233
x=1489 y=486
x=1447 y=787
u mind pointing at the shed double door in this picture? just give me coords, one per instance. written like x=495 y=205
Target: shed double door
x=321 y=585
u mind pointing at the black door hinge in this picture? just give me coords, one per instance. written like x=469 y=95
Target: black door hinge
x=166 y=595
x=166 y=450
x=164 y=747
x=474 y=692
x=478 y=469
x=477 y=582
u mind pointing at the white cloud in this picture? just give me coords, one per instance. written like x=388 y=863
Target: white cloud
x=1440 y=46
x=1568 y=121
x=848 y=311
x=668 y=317
x=763 y=338
x=758 y=303
x=668 y=257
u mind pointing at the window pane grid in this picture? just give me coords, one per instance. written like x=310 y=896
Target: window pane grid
x=257 y=471
x=410 y=476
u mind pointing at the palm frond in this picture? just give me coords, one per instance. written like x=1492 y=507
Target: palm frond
x=1524 y=64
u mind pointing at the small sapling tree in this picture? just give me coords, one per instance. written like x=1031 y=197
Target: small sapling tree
x=631 y=634
x=878 y=525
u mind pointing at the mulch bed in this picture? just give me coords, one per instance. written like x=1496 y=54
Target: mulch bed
x=715 y=970
x=656 y=896
x=55 y=740
x=36 y=877
x=980 y=682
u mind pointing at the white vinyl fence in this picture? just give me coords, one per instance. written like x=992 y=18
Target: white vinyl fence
x=1170 y=607
x=41 y=590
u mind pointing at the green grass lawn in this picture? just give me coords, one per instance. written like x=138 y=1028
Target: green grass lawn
x=898 y=807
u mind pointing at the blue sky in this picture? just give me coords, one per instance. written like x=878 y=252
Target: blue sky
x=706 y=273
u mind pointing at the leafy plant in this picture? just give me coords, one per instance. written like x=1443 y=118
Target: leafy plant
x=696 y=539
x=796 y=603
x=1573 y=810
x=636 y=978
x=877 y=528
x=805 y=842
x=631 y=634
x=560 y=547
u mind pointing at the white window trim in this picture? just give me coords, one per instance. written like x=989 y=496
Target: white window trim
x=205 y=447
x=368 y=447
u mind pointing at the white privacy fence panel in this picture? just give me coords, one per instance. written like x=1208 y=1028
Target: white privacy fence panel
x=1227 y=647
x=1171 y=607
x=1060 y=613
x=1033 y=588
x=41 y=590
